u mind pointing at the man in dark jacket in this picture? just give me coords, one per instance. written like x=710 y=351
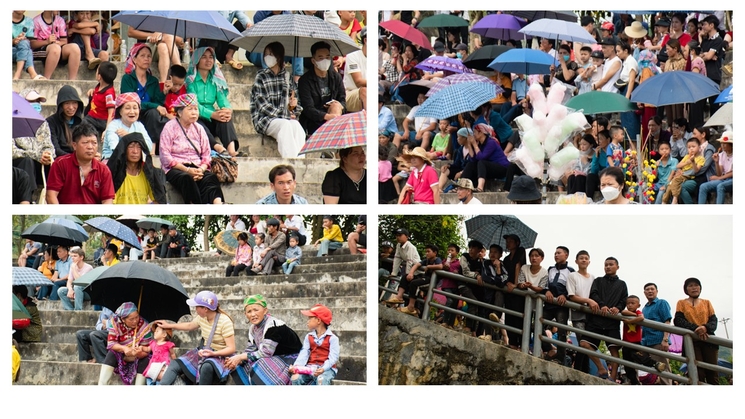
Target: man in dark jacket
x=177 y=247
x=69 y=115
x=610 y=293
x=321 y=91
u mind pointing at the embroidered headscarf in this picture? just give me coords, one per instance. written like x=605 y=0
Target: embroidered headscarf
x=187 y=99
x=127 y=97
x=129 y=65
x=218 y=79
x=255 y=299
x=120 y=334
x=486 y=129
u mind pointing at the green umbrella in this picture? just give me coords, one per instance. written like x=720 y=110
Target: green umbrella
x=90 y=276
x=443 y=21
x=600 y=102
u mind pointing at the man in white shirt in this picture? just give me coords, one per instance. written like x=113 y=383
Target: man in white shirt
x=294 y=224
x=578 y=289
x=235 y=223
x=465 y=192
x=355 y=76
x=611 y=68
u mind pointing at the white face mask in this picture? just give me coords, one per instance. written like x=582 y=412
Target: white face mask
x=610 y=193
x=270 y=61
x=323 y=65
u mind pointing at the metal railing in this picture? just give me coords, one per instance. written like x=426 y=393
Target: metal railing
x=533 y=315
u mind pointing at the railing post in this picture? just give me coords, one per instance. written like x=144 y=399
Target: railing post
x=538 y=329
x=527 y=317
x=428 y=297
x=690 y=355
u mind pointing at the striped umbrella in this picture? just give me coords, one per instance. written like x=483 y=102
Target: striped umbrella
x=461 y=78
x=435 y=63
x=297 y=33
x=491 y=229
x=458 y=98
x=29 y=276
x=348 y=130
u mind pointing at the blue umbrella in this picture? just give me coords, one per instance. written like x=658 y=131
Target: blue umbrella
x=115 y=229
x=25 y=118
x=182 y=23
x=499 y=26
x=558 y=29
x=523 y=61
x=725 y=96
x=458 y=98
x=29 y=276
x=67 y=223
x=673 y=88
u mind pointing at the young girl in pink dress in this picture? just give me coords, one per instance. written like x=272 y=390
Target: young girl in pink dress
x=162 y=349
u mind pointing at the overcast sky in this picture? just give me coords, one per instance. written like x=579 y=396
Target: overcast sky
x=661 y=249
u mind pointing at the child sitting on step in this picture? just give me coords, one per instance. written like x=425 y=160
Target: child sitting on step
x=316 y=362
x=292 y=255
x=258 y=248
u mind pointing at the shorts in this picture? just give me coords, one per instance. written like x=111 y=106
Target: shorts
x=354 y=102
x=611 y=333
x=362 y=241
x=77 y=39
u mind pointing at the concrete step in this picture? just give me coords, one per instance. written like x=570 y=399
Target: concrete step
x=351 y=369
x=244 y=76
x=204 y=275
x=68 y=352
x=250 y=193
x=214 y=262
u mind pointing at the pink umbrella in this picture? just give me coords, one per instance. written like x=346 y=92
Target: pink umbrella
x=460 y=78
x=407 y=32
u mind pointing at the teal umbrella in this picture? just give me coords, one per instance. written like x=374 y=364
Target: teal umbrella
x=90 y=276
x=443 y=21
x=596 y=102
x=153 y=222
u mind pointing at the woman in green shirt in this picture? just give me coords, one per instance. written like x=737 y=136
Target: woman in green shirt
x=206 y=81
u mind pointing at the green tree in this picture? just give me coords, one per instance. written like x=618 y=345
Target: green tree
x=440 y=230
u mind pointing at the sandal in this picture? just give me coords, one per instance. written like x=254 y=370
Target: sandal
x=39 y=77
x=406 y=310
x=394 y=300
x=235 y=64
x=92 y=64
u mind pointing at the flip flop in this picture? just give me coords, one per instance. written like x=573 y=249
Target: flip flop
x=39 y=77
x=92 y=64
x=235 y=64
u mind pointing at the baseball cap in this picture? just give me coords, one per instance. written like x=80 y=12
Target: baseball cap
x=401 y=231
x=439 y=46
x=597 y=54
x=461 y=47
x=608 y=26
x=32 y=95
x=320 y=311
x=206 y=299
x=386 y=244
x=608 y=40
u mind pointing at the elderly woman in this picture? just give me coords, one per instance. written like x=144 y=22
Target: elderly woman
x=126 y=121
x=138 y=79
x=274 y=108
x=347 y=183
x=208 y=365
x=487 y=158
x=163 y=43
x=272 y=348
x=696 y=314
x=128 y=341
x=206 y=81
x=185 y=155
x=136 y=180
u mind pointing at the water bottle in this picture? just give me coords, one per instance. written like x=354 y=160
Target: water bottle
x=123 y=50
x=187 y=54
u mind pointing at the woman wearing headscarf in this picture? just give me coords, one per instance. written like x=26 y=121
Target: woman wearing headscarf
x=206 y=365
x=136 y=180
x=185 y=155
x=138 y=78
x=125 y=121
x=696 y=314
x=274 y=108
x=205 y=79
x=272 y=348
x=128 y=343
x=487 y=158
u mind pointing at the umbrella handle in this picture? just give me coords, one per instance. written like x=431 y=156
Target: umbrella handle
x=139 y=301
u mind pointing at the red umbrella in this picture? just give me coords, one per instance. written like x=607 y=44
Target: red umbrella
x=348 y=130
x=407 y=32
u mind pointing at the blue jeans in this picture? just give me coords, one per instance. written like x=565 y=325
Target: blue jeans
x=324 y=379
x=288 y=266
x=80 y=296
x=687 y=192
x=657 y=193
x=257 y=59
x=22 y=52
x=327 y=245
x=52 y=293
x=721 y=187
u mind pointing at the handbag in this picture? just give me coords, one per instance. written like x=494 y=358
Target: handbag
x=224 y=168
x=620 y=84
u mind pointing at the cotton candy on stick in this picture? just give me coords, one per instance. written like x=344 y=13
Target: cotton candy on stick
x=573 y=123
x=531 y=141
x=555 y=96
x=524 y=123
x=560 y=162
x=537 y=99
x=524 y=161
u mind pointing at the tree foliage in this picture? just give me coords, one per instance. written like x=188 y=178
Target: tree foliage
x=440 y=230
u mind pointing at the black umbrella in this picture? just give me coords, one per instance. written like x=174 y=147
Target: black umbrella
x=54 y=234
x=532 y=15
x=410 y=92
x=157 y=292
x=482 y=57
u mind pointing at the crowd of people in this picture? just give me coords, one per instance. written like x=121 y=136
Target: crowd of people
x=479 y=145
x=614 y=313
x=126 y=143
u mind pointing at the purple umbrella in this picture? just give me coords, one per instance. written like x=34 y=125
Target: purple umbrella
x=460 y=78
x=435 y=63
x=499 y=26
x=25 y=118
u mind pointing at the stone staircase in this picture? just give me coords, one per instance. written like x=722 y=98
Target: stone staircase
x=252 y=183
x=337 y=281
